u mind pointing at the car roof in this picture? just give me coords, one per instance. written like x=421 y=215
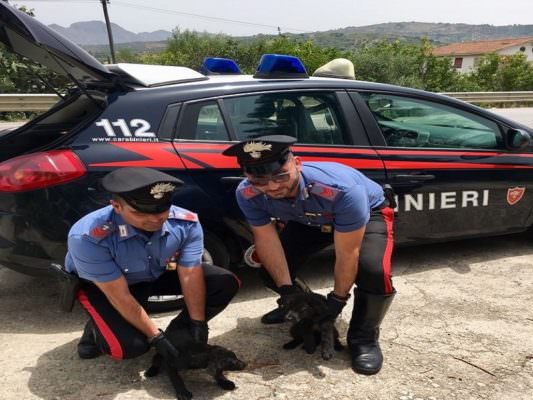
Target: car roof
x=215 y=86
x=222 y=85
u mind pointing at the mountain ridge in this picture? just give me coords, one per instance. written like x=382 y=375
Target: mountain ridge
x=95 y=33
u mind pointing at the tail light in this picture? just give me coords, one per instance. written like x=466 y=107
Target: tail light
x=40 y=170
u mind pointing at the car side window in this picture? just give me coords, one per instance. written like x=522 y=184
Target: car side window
x=203 y=121
x=311 y=117
x=410 y=122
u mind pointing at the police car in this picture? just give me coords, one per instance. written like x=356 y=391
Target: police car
x=457 y=170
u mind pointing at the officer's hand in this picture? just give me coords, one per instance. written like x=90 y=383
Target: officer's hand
x=199 y=331
x=287 y=293
x=335 y=304
x=167 y=350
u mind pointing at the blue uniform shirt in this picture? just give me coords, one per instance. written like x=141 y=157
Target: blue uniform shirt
x=102 y=247
x=329 y=194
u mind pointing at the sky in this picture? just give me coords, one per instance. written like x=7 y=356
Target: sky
x=249 y=17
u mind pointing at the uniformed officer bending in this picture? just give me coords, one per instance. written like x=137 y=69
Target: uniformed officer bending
x=141 y=245
x=323 y=202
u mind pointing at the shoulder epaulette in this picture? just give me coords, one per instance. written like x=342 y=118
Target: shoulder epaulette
x=183 y=214
x=249 y=192
x=102 y=230
x=325 y=191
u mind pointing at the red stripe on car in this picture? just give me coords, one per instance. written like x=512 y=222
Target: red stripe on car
x=214 y=160
x=448 y=165
x=158 y=155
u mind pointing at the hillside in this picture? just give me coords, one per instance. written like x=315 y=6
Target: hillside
x=438 y=33
x=93 y=35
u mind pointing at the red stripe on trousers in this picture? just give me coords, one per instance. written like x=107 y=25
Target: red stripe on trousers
x=107 y=333
x=388 y=216
x=239 y=283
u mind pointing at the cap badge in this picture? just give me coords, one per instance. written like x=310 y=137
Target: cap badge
x=255 y=148
x=159 y=190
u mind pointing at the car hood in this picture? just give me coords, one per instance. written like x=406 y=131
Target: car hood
x=26 y=36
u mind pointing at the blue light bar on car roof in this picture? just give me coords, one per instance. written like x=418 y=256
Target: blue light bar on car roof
x=219 y=66
x=273 y=66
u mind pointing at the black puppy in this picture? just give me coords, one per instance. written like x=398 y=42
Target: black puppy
x=308 y=311
x=214 y=359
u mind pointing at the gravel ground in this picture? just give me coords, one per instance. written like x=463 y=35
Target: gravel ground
x=461 y=327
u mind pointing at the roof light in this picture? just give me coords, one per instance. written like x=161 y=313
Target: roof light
x=216 y=66
x=275 y=66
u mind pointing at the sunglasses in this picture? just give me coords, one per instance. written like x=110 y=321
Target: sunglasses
x=263 y=180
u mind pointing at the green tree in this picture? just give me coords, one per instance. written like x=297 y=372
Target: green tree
x=503 y=73
x=20 y=75
x=391 y=62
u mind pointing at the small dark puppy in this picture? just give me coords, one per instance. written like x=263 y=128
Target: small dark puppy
x=214 y=359
x=307 y=311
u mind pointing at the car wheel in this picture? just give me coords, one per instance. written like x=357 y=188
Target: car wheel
x=215 y=251
x=162 y=304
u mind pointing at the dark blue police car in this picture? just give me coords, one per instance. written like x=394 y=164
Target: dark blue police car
x=458 y=171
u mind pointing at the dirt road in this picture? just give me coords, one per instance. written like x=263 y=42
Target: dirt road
x=461 y=327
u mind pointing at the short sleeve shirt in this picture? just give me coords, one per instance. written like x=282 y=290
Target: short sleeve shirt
x=102 y=246
x=329 y=193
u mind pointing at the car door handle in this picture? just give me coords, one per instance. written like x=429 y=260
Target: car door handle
x=232 y=179
x=414 y=177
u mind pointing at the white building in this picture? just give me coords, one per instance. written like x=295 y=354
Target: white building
x=465 y=55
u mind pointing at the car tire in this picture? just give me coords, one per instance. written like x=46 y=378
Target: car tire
x=163 y=304
x=215 y=251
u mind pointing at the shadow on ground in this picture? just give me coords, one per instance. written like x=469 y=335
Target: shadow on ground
x=60 y=374
x=28 y=304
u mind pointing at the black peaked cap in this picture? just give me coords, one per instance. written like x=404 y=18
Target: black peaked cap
x=262 y=155
x=145 y=189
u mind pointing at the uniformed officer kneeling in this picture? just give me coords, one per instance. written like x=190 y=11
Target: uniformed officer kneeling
x=139 y=246
x=323 y=202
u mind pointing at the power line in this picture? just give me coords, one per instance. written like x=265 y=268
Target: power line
x=205 y=17
x=176 y=12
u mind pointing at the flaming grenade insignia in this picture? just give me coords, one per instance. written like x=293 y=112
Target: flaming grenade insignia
x=159 y=190
x=255 y=148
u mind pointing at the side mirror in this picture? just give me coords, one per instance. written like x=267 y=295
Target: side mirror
x=517 y=139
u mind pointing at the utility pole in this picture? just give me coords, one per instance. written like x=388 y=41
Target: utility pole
x=109 y=33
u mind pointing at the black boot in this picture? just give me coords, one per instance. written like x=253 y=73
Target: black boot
x=363 y=334
x=87 y=347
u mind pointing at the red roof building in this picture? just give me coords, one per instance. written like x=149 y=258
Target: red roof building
x=466 y=54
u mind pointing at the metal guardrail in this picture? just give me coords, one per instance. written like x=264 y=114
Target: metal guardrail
x=42 y=102
x=492 y=97
x=27 y=102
